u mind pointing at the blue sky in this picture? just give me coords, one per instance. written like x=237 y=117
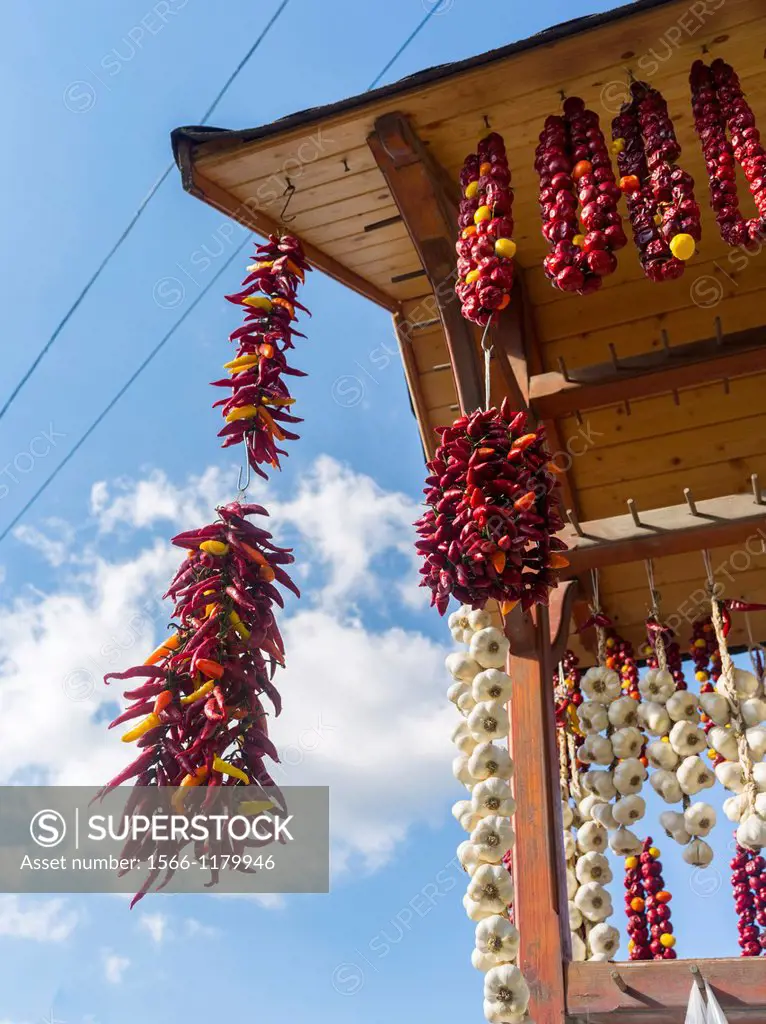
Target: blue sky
x=87 y=559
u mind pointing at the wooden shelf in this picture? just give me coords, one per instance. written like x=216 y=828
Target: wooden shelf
x=672 y=530
x=658 y=991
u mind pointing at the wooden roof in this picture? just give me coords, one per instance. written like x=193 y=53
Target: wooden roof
x=686 y=430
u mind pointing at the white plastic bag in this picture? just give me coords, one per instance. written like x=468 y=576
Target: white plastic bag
x=715 y=1014
x=698 y=1013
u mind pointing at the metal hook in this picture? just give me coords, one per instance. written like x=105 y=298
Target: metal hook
x=486 y=122
x=654 y=593
x=594 y=587
x=346 y=168
x=562 y=94
x=242 y=487
x=287 y=195
x=708 y=570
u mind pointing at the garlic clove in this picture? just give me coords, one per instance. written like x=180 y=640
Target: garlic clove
x=466 y=703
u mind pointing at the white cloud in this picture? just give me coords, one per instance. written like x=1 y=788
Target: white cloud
x=156 y=925
x=114 y=966
x=156 y=499
x=197 y=929
x=38 y=920
x=55 y=546
x=349 y=521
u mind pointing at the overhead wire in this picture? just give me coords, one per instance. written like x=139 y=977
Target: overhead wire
x=132 y=222
x=134 y=376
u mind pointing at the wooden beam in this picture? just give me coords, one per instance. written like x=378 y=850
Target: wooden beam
x=402 y=330
x=540 y=900
x=554 y=395
x=673 y=530
x=429 y=212
x=644 y=991
x=250 y=215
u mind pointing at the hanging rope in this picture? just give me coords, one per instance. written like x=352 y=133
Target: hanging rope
x=730 y=692
x=659 y=640
x=574 y=773
x=486 y=346
x=596 y=610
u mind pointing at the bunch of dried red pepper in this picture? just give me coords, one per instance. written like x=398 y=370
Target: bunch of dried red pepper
x=492 y=512
x=202 y=719
x=257 y=410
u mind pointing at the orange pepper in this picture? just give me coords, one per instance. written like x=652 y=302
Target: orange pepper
x=557 y=561
x=498 y=561
x=525 y=501
x=271 y=425
x=523 y=442
x=209 y=667
x=163 y=699
x=285 y=305
x=196 y=779
x=171 y=644
x=506 y=607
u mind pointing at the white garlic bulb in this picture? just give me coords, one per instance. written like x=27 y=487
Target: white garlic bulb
x=623 y=842
x=491 y=684
x=602 y=813
x=674 y=825
x=478 y=618
x=466 y=854
x=461 y=666
x=682 y=707
x=627 y=742
x=751 y=832
x=729 y=774
x=656 y=720
x=699 y=819
x=756 y=741
x=629 y=776
x=491 y=887
x=462 y=738
x=489 y=647
x=716 y=707
x=497 y=938
x=592 y=716
x=724 y=742
x=693 y=775
x=604 y=940
x=623 y=711
x=753 y=711
x=591 y=836
x=661 y=755
x=492 y=838
x=666 y=785
x=657 y=685
x=493 y=796
x=465 y=702
x=629 y=809
x=489 y=721
x=460 y=770
x=599 y=782
x=593 y=867
x=579 y=949
x=601 y=684
x=734 y=806
x=698 y=853
x=686 y=739
x=593 y=901
x=489 y=760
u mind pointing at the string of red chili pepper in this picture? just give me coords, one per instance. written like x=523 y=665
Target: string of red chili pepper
x=622 y=659
x=488 y=530
x=660 y=195
x=202 y=720
x=657 y=910
x=257 y=411
x=748 y=882
x=718 y=103
x=572 y=162
x=485 y=248
x=635 y=909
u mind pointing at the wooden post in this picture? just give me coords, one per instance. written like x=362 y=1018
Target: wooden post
x=422 y=193
x=538 y=855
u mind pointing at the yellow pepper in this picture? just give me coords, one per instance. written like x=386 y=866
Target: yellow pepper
x=187 y=781
x=219 y=765
x=242 y=412
x=259 y=302
x=201 y=691
x=150 y=722
x=255 y=806
x=241 y=363
x=214 y=547
x=239 y=625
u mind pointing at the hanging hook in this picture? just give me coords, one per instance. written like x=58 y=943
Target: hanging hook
x=655 y=594
x=708 y=570
x=487 y=125
x=287 y=195
x=242 y=486
x=487 y=347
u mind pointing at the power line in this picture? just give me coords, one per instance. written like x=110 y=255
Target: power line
x=133 y=221
x=434 y=10
x=81 y=441
x=137 y=373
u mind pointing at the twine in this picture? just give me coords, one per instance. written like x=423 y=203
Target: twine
x=730 y=691
x=563 y=763
x=574 y=774
x=596 y=610
x=659 y=642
